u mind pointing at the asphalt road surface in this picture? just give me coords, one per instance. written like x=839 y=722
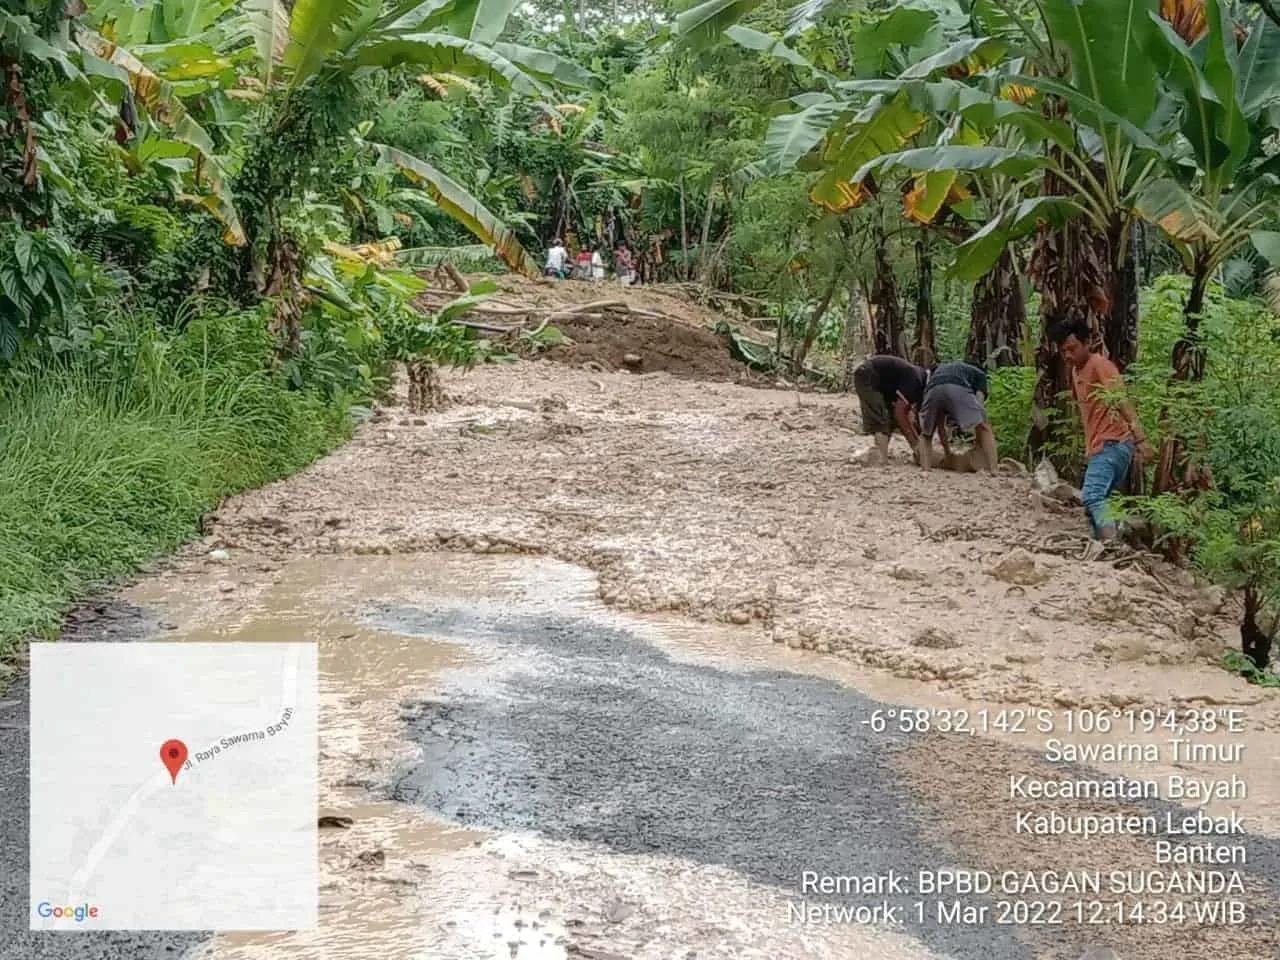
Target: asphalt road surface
x=575 y=730
x=582 y=732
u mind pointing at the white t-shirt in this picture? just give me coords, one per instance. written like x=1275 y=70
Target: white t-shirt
x=597 y=266
x=556 y=258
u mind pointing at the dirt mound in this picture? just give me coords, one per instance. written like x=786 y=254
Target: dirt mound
x=650 y=345
x=650 y=329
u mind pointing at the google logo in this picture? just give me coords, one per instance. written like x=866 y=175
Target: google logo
x=79 y=913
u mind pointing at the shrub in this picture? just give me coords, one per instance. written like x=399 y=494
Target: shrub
x=111 y=457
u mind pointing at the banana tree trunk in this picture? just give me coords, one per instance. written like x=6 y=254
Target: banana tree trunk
x=1120 y=330
x=854 y=342
x=925 y=349
x=684 y=235
x=801 y=353
x=998 y=317
x=284 y=285
x=886 y=308
x=1173 y=470
x=705 y=238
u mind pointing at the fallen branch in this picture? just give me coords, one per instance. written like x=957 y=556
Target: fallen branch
x=486 y=327
x=596 y=306
x=458 y=280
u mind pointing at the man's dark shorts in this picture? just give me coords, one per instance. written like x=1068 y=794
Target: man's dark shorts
x=958 y=404
x=877 y=417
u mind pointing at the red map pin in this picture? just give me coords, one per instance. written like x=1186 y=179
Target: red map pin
x=173 y=755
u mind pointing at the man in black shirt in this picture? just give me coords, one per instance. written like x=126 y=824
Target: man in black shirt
x=889 y=390
x=956 y=393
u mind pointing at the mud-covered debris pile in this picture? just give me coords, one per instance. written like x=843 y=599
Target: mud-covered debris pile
x=606 y=327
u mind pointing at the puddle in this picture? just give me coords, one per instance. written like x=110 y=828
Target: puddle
x=401 y=884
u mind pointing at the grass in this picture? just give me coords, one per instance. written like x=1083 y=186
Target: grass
x=111 y=460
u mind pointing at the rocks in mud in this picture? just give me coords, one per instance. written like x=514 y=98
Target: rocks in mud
x=1028 y=657
x=934 y=638
x=899 y=571
x=1024 y=634
x=370 y=860
x=552 y=403
x=339 y=823
x=591 y=953
x=1049 y=610
x=619 y=911
x=1012 y=468
x=1208 y=602
x=1049 y=484
x=1019 y=567
x=632 y=360
x=867 y=458
x=219 y=556
x=1123 y=649
x=1109 y=603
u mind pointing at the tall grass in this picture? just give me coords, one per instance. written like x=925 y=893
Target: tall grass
x=110 y=459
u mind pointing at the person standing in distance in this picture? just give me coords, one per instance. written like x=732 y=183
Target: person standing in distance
x=956 y=393
x=889 y=390
x=1112 y=432
x=557 y=258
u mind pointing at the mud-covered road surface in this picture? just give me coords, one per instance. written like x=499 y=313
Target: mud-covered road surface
x=598 y=653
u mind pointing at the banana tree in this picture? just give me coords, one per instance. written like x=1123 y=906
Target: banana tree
x=1223 y=189
x=851 y=121
x=309 y=58
x=1070 y=110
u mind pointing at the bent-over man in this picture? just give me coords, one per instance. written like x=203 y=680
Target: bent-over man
x=889 y=390
x=1112 y=433
x=956 y=393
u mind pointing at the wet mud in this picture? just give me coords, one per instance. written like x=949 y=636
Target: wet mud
x=594 y=653
x=585 y=731
x=406 y=879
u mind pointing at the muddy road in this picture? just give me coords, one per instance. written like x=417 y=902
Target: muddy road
x=599 y=658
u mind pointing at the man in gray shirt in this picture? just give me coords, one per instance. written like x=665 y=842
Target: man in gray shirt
x=956 y=393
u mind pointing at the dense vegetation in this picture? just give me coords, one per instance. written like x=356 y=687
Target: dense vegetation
x=218 y=211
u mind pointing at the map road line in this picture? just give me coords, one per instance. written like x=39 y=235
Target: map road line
x=289 y=699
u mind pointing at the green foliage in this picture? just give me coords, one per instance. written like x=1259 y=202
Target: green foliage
x=1237 y=663
x=411 y=336
x=110 y=456
x=1009 y=408
x=1233 y=418
x=38 y=292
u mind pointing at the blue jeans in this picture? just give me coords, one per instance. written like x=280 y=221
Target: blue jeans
x=1106 y=470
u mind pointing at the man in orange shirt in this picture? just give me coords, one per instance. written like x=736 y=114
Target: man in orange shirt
x=1112 y=431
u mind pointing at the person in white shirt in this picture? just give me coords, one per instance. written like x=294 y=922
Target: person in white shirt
x=597 y=266
x=557 y=257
